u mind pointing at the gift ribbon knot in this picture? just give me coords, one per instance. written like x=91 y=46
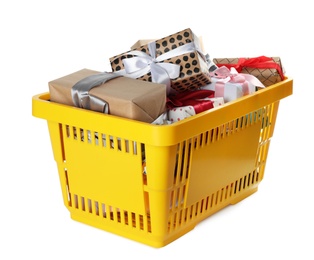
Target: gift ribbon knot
x=224 y=75
x=161 y=72
x=83 y=99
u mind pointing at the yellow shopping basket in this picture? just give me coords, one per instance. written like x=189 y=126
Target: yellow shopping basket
x=153 y=183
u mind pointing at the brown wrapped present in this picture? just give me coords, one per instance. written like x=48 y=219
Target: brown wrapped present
x=176 y=60
x=268 y=70
x=125 y=97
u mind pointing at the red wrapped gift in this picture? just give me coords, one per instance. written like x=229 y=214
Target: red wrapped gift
x=190 y=103
x=196 y=98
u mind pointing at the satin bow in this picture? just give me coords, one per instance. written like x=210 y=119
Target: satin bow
x=161 y=72
x=224 y=75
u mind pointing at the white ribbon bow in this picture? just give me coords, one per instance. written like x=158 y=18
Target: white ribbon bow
x=161 y=72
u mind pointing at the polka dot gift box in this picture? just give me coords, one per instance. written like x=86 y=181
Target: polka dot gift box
x=176 y=60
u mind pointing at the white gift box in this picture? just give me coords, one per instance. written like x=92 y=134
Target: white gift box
x=179 y=113
x=230 y=84
x=231 y=90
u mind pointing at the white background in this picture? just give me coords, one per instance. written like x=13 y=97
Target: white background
x=44 y=40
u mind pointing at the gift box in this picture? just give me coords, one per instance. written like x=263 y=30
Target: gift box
x=231 y=91
x=118 y=95
x=268 y=70
x=230 y=84
x=176 y=60
x=179 y=113
x=189 y=103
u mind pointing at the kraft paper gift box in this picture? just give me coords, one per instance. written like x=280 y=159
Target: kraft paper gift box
x=126 y=97
x=268 y=70
x=176 y=60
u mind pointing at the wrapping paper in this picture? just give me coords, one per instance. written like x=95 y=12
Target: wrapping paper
x=210 y=64
x=180 y=113
x=176 y=60
x=268 y=70
x=189 y=103
x=129 y=98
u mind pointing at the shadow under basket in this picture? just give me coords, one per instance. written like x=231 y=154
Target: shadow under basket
x=153 y=183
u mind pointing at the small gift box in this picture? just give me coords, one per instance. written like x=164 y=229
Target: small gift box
x=110 y=93
x=189 y=103
x=180 y=113
x=268 y=70
x=176 y=60
x=231 y=85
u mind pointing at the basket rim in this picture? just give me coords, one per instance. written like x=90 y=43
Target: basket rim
x=158 y=135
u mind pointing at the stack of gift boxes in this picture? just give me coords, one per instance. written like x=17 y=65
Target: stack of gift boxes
x=166 y=80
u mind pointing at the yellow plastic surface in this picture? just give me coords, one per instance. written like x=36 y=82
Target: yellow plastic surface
x=151 y=183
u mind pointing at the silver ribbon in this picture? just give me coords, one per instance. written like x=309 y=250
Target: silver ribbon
x=161 y=72
x=80 y=92
x=210 y=64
